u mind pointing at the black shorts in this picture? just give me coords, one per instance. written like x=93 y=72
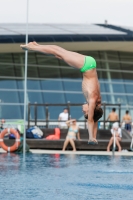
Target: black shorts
x=98 y=113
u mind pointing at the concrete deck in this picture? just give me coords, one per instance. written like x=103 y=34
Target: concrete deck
x=100 y=153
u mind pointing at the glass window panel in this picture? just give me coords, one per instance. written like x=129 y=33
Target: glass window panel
x=33 y=85
x=21 y=97
x=9 y=97
x=115 y=66
x=104 y=87
x=112 y=55
x=7 y=70
x=102 y=55
x=130 y=99
x=120 y=81
x=8 y=84
x=128 y=88
x=116 y=75
x=20 y=83
x=47 y=60
x=118 y=88
x=11 y=112
x=49 y=72
x=35 y=97
x=75 y=98
x=19 y=70
x=6 y=58
x=52 y=97
x=101 y=65
x=41 y=113
x=32 y=72
x=51 y=84
x=32 y=113
x=12 y=97
x=126 y=56
x=121 y=99
x=76 y=112
x=72 y=86
x=102 y=75
x=127 y=67
x=106 y=98
x=54 y=111
x=32 y=58
x=127 y=76
x=70 y=73
x=10 y=70
x=19 y=57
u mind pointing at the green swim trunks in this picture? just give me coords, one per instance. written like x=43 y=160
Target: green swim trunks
x=89 y=64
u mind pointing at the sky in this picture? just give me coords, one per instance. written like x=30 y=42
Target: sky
x=117 y=12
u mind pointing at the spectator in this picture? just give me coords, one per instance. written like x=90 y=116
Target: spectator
x=1 y=125
x=63 y=117
x=73 y=133
x=127 y=120
x=112 y=117
x=117 y=131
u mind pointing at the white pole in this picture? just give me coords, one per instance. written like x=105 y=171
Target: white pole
x=114 y=144
x=25 y=81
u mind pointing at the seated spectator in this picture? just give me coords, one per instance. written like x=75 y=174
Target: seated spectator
x=127 y=120
x=73 y=133
x=63 y=117
x=117 y=131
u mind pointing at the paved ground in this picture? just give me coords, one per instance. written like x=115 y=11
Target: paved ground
x=122 y=153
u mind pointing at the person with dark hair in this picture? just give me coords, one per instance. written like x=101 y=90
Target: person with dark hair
x=63 y=117
x=90 y=83
x=127 y=120
x=112 y=117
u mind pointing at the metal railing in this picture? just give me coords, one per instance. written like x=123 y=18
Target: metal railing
x=68 y=106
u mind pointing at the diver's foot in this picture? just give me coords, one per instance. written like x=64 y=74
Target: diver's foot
x=93 y=142
x=29 y=46
x=35 y=43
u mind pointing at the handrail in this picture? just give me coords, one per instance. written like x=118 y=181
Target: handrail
x=68 y=105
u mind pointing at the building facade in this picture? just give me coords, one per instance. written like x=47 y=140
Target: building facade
x=50 y=80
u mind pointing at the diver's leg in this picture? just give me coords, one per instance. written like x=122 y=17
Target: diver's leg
x=95 y=130
x=71 y=58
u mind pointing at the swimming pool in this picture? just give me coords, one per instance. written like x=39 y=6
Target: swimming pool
x=65 y=177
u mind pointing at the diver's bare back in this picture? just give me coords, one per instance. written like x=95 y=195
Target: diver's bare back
x=90 y=86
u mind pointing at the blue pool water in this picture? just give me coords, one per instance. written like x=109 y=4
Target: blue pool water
x=65 y=177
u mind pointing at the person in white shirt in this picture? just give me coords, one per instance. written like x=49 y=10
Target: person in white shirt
x=63 y=117
x=117 y=131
